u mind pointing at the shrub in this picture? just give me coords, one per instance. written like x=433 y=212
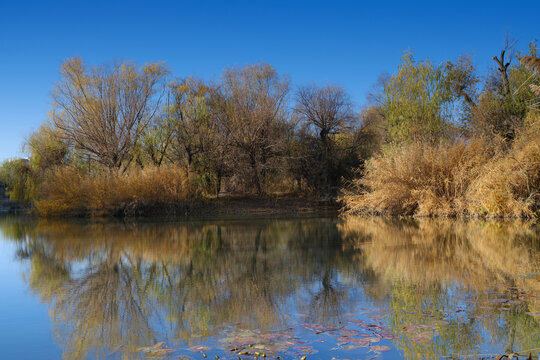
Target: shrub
x=509 y=184
x=479 y=177
x=419 y=179
x=135 y=192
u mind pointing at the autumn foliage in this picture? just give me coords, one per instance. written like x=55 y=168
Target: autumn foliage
x=434 y=140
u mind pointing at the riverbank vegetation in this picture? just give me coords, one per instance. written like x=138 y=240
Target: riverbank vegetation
x=434 y=140
x=455 y=147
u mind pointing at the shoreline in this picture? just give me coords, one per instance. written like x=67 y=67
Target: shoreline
x=229 y=206
x=234 y=207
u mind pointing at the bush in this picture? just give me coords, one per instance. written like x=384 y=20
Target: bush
x=479 y=177
x=135 y=192
x=509 y=184
x=419 y=179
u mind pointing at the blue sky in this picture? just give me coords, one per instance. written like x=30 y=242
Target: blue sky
x=345 y=42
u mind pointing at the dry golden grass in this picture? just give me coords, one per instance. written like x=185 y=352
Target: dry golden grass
x=509 y=184
x=419 y=179
x=531 y=62
x=66 y=192
x=480 y=177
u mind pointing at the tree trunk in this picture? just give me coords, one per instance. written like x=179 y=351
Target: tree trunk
x=503 y=73
x=256 y=175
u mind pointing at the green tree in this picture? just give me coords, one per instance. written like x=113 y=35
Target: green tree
x=417 y=102
x=16 y=174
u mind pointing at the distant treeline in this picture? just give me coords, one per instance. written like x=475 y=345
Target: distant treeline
x=435 y=139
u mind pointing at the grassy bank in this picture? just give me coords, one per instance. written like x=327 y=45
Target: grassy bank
x=154 y=191
x=68 y=192
x=477 y=177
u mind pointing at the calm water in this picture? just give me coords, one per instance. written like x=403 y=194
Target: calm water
x=321 y=287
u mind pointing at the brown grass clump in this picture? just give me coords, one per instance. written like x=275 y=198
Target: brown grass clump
x=509 y=184
x=151 y=190
x=531 y=62
x=476 y=178
x=419 y=179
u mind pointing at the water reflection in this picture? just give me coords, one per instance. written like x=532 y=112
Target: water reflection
x=466 y=283
x=432 y=288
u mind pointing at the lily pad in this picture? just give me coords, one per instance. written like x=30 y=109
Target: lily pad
x=380 y=348
x=349 y=332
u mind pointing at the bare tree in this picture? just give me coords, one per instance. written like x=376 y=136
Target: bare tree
x=250 y=106
x=105 y=110
x=325 y=111
x=503 y=73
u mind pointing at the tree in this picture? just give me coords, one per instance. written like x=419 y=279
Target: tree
x=105 y=110
x=507 y=98
x=191 y=113
x=157 y=138
x=197 y=137
x=16 y=175
x=502 y=69
x=250 y=107
x=324 y=111
x=463 y=80
x=47 y=148
x=418 y=102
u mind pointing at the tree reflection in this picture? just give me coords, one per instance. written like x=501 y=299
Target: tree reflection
x=450 y=287
x=491 y=265
x=132 y=285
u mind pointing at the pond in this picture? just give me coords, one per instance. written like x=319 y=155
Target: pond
x=319 y=287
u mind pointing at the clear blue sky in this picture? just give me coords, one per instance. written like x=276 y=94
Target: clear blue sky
x=345 y=42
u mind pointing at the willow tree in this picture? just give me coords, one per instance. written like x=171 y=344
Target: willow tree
x=105 y=110
x=191 y=113
x=250 y=106
x=47 y=148
x=417 y=101
x=197 y=137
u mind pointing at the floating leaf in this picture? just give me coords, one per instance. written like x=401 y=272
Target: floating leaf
x=372 y=339
x=361 y=342
x=380 y=348
x=159 y=345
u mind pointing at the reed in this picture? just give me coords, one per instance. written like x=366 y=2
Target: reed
x=66 y=191
x=479 y=177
